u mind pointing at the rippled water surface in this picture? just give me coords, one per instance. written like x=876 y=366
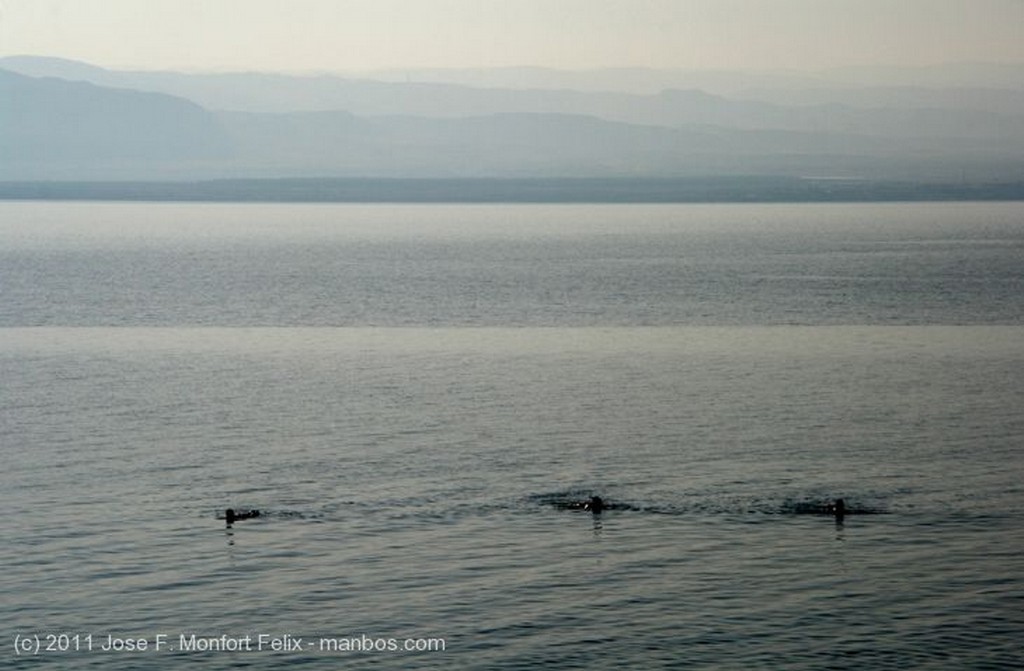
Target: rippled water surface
x=415 y=398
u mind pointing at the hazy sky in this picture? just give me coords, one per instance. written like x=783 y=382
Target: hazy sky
x=300 y=35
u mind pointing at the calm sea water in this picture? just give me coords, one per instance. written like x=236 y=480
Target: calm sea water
x=414 y=396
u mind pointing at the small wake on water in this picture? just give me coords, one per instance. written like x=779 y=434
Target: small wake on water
x=282 y=514
x=575 y=500
x=825 y=508
x=572 y=499
x=569 y=500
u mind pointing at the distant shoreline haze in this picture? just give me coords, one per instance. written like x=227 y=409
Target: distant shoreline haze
x=706 y=190
x=960 y=130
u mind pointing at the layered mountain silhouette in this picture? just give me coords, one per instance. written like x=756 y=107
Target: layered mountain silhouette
x=67 y=120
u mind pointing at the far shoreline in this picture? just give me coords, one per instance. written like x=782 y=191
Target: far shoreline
x=753 y=189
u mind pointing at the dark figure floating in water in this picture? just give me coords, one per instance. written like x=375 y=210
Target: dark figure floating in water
x=838 y=509
x=594 y=505
x=230 y=516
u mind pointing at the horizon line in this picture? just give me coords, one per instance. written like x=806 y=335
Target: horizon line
x=524 y=66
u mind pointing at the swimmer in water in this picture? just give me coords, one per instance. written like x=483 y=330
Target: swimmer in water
x=230 y=516
x=594 y=505
x=838 y=509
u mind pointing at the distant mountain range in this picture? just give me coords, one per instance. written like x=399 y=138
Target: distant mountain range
x=68 y=120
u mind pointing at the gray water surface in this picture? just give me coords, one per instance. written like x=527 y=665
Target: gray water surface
x=415 y=396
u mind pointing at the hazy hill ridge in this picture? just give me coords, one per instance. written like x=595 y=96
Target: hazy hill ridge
x=73 y=120
x=58 y=128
